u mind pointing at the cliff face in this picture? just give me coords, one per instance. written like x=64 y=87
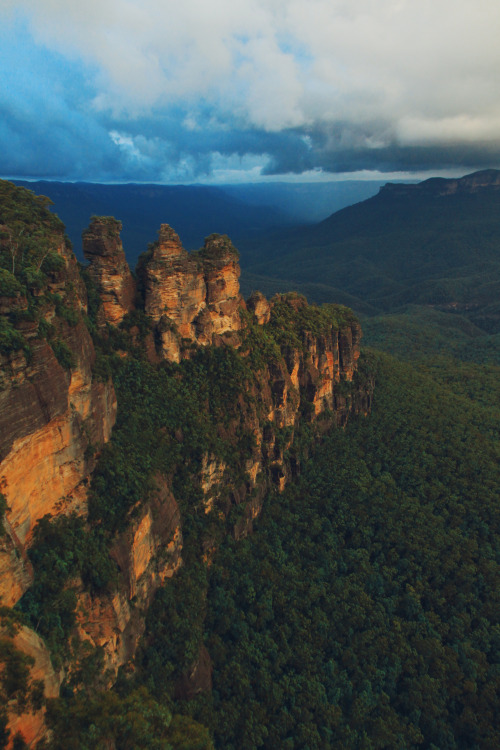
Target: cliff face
x=295 y=365
x=146 y=554
x=108 y=267
x=191 y=297
x=54 y=415
x=310 y=379
x=51 y=416
x=42 y=682
x=438 y=186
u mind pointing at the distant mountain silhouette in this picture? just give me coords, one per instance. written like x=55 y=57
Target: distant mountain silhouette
x=435 y=243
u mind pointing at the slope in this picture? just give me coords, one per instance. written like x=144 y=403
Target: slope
x=435 y=244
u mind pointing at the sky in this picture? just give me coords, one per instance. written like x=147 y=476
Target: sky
x=183 y=91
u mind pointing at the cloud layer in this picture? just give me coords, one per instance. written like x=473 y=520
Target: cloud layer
x=167 y=91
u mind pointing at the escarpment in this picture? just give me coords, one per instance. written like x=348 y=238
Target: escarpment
x=54 y=413
x=218 y=403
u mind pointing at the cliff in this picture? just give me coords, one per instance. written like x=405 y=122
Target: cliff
x=218 y=403
x=52 y=410
x=54 y=414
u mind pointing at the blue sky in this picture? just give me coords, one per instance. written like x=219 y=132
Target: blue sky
x=243 y=90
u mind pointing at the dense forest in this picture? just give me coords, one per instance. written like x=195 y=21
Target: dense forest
x=364 y=610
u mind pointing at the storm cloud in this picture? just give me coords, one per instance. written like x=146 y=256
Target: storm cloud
x=116 y=90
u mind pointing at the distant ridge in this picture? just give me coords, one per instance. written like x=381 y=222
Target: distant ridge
x=470 y=183
x=435 y=243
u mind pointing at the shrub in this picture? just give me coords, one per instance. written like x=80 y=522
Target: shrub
x=9 y=285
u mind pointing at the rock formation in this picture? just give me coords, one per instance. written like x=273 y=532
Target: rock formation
x=439 y=186
x=108 y=267
x=260 y=307
x=50 y=414
x=190 y=297
x=146 y=554
x=28 y=721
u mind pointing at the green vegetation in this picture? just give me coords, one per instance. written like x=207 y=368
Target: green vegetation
x=63 y=354
x=363 y=612
x=111 y=225
x=419 y=333
x=17 y=691
x=9 y=285
x=97 y=722
x=27 y=230
x=63 y=549
x=174 y=628
x=30 y=263
x=11 y=340
x=437 y=253
x=218 y=246
x=292 y=319
x=170 y=417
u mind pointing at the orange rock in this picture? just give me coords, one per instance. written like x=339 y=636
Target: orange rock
x=147 y=553
x=260 y=307
x=109 y=269
x=31 y=724
x=48 y=418
x=192 y=297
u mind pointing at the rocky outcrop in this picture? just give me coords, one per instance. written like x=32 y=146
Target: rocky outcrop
x=54 y=416
x=313 y=381
x=16 y=571
x=109 y=269
x=190 y=297
x=260 y=307
x=28 y=723
x=146 y=554
x=439 y=186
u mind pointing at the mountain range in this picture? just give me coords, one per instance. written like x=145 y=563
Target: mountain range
x=433 y=243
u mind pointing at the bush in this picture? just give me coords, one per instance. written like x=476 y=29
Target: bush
x=10 y=339
x=63 y=353
x=52 y=263
x=9 y=285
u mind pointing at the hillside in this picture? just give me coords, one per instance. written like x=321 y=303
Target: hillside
x=364 y=610
x=434 y=244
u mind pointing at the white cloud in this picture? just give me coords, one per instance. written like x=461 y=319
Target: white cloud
x=366 y=73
